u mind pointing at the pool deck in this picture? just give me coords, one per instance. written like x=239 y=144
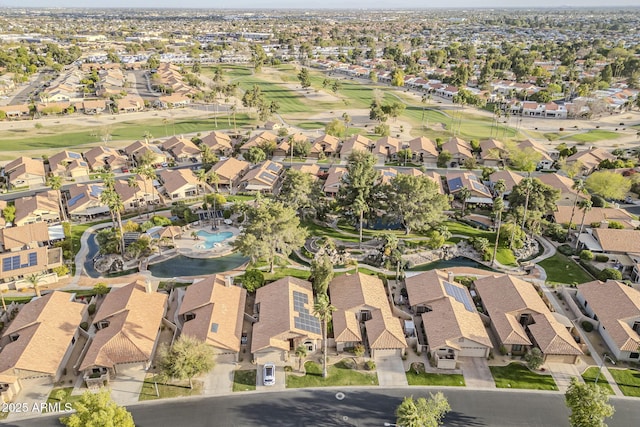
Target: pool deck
x=189 y=247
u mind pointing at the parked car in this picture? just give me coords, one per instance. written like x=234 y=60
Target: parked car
x=269 y=374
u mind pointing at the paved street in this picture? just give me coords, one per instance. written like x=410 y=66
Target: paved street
x=359 y=407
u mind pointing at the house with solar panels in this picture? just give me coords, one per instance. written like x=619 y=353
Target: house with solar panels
x=284 y=320
x=480 y=193
x=364 y=316
x=24 y=250
x=68 y=164
x=452 y=326
x=84 y=201
x=264 y=177
x=520 y=319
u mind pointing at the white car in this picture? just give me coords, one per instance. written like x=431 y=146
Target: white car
x=269 y=374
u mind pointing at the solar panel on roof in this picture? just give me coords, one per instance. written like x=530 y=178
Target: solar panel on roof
x=304 y=320
x=265 y=176
x=479 y=187
x=455 y=184
x=459 y=295
x=95 y=190
x=274 y=167
x=72 y=201
x=74 y=155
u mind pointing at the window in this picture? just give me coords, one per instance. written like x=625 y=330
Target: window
x=516 y=347
x=634 y=355
x=189 y=316
x=524 y=319
x=636 y=326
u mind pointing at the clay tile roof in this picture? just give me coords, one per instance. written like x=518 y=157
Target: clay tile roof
x=134 y=318
x=563 y=214
x=276 y=324
x=25 y=165
x=330 y=144
x=230 y=169
x=551 y=336
x=424 y=145
x=346 y=327
x=17 y=237
x=616 y=305
x=218 y=310
x=175 y=179
x=355 y=143
x=45 y=326
x=46 y=201
x=614 y=240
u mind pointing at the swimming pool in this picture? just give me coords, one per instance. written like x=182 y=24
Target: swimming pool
x=184 y=266
x=210 y=239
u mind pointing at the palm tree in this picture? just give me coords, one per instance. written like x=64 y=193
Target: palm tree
x=214 y=179
x=528 y=186
x=359 y=208
x=580 y=188
x=301 y=353
x=111 y=198
x=34 y=279
x=586 y=206
x=498 y=206
x=55 y=182
x=132 y=182
x=346 y=118
x=322 y=310
x=464 y=194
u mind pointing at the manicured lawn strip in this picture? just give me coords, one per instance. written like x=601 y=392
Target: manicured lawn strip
x=148 y=391
x=318 y=230
x=244 y=380
x=426 y=378
x=561 y=269
x=516 y=375
x=504 y=255
x=76 y=233
x=339 y=375
x=628 y=380
x=589 y=376
x=283 y=272
x=593 y=136
x=66 y=398
x=239 y=198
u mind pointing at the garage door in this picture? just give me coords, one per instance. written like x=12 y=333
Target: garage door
x=390 y=352
x=473 y=351
x=559 y=358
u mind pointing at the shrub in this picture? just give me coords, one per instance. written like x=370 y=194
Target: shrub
x=556 y=232
x=586 y=255
x=503 y=350
x=92 y=309
x=288 y=368
x=601 y=258
x=61 y=270
x=84 y=326
x=534 y=358
x=566 y=250
x=587 y=326
x=595 y=272
x=370 y=365
x=610 y=273
x=226 y=214
x=252 y=280
x=616 y=225
x=598 y=202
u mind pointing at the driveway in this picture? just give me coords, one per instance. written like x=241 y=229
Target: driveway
x=562 y=374
x=125 y=389
x=390 y=370
x=476 y=372
x=34 y=391
x=281 y=379
x=220 y=379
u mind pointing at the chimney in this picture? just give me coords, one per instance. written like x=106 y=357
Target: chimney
x=147 y=286
x=450 y=276
x=228 y=281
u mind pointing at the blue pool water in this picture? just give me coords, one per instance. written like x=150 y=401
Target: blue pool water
x=184 y=266
x=454 y=262
x=210 y=239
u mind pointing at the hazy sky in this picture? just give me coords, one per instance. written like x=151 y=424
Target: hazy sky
x=337 y=4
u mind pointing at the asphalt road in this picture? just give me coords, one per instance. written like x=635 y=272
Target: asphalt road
x=370 y=407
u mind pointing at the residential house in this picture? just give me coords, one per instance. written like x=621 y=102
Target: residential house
x=355 y=143
x=95 y=106
x=616 y=309
x=105 y=158
x=311 y=169
x=565 y=185
x=212 y=311
x=623 y=246
x=285 y=320
x=334 y=179
x=18 y=111
x=68 y=164
x=386 y=149
x=130 y=104
x=556 y=111
x=24 y=251
x=479 y=192
x=25 y=172
x=520 y=320
x=41 y=207
x=264 y=177
x=452 y=325
x=181 y=183
x=361 y=300
x=435 y=177
x=219 y=143
x=84 y=201
x=37 y=344
x=590 y=159
x=135 y=192
x=510 y=178
x=141 y=151
x=549 y=156
x=124 y=333
x=600 y=216
x=285 y=147
x=423 y=150
x=325 y=146
x=174 y=100
x=460 y=151
x=181 y=149
x=230 y=171
x=492 y=152
x=265 y=140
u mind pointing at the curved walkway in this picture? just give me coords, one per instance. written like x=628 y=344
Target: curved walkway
x=81 y=256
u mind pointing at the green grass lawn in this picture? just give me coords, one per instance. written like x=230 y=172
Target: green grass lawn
x=592 y=136
x=148 y=391
x=561 y=269
x=516 y=375
x=244 y=380
x=339 y=375
x=628 y=380
x=318 y=230
x=504 y=255
x=426 y=378
x=286 y=271
x=589 y=376
x=62 y=396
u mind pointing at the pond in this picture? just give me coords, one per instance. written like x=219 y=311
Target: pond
x=185 y=266
x=448 y=263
